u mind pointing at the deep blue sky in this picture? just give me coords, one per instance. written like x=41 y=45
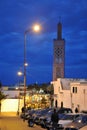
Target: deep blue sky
x=18 y=15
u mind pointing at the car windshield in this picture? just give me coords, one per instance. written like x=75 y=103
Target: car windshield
x=64 y=110
x=67 y=117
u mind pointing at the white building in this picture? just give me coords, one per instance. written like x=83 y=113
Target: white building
x=12 y=103
x=15 y=99
x=70 y=93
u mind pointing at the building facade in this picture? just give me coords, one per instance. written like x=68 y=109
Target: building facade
x=58 y=54
x=70 y=93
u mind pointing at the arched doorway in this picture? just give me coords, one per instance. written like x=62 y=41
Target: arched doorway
x=61 y=104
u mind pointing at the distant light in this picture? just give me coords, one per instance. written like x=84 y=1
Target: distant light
x=20 y=73
x=26 y=64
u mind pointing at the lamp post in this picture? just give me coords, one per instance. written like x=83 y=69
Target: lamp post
x=19 y=74
x=35 y=28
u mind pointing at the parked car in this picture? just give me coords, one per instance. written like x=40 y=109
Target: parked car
x=41 y=113
x=68 y=118
x=36 y=116
x=46 y=120
x=79 y=124
x=27 y=114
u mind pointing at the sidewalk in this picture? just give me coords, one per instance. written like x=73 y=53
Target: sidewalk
x=10 y=121
x=8 y=114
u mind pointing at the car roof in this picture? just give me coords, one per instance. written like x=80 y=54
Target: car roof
x=74 y=114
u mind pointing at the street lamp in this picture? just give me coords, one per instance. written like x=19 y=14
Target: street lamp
x=19 y=74
x=35 y=28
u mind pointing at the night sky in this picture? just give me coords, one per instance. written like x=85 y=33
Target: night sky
x=16 y=16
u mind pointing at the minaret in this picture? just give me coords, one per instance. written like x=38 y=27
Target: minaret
x=58 y=54
x=59 y=31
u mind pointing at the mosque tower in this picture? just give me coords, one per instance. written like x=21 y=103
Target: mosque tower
x=58 y=54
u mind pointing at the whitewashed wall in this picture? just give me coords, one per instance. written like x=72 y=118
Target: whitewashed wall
x=11 y=105
x=70 y=99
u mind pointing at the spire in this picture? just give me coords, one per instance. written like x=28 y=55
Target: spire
x=59 y=30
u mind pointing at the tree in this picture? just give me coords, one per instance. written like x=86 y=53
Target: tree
x=43 y=101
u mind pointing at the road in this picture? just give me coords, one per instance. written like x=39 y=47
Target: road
x=15 y=123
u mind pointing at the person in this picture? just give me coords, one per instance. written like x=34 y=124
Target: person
x=76 y=110
x=54 y=118
x=23 y=109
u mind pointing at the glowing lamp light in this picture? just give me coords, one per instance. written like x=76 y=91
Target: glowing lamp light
x=36 y=28
x=26 y=64
x=20 y=73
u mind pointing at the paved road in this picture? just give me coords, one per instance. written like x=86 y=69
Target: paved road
x=16 y=123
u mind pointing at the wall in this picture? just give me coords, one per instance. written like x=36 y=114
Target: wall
x=79 y=98
x=11 y=105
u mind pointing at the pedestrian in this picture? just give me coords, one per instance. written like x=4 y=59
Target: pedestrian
x=23 y=109
x=76 y=110
x=54 y=119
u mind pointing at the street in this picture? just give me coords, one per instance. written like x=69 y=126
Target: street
x=15 y=123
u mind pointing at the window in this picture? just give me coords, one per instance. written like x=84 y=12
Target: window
x=74 y=89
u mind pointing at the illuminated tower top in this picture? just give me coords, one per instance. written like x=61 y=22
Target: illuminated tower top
x=59 y=31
